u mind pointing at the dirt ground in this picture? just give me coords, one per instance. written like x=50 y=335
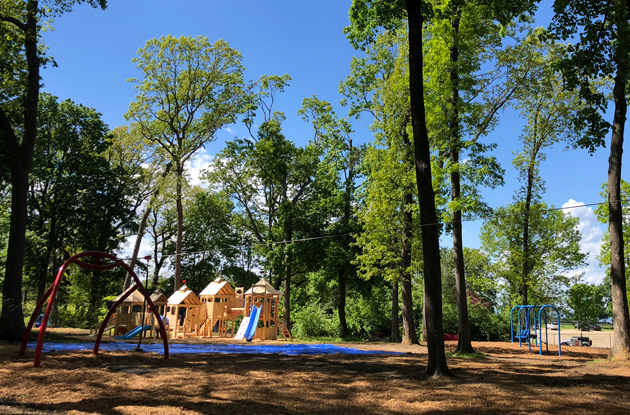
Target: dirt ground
x=506 y=380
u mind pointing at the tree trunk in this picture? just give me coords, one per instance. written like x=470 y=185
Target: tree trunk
x=436 y=364
x=45 y=264
x=343 y=325
x=395 y=336
x=621 y=344
x=528 y=207
x=288 y=236
x=141 y=228
x=287 y=298
x=464 y=344
x=180 y=228
x=409 y=327
x=95 y=282
x=12 y=326
x=410 y=335
x=136 y=247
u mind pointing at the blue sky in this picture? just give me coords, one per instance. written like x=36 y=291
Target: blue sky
x=94 y=48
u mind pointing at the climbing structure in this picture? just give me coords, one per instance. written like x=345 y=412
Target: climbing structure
x=262 y=293
x=221 y=304
x=185 y=313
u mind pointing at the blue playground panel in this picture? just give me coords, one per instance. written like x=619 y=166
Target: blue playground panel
x=284 y=349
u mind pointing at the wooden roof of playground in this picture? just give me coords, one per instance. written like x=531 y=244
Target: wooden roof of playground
x=158 y=297
x=135 y=297
x=184 y=295
x=218 y=287
x=262 y=287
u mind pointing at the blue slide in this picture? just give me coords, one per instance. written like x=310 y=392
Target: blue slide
x=253 y=323
x=133 y=333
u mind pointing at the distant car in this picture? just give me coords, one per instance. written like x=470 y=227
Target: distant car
x=597 y=327
x=552 y=326
x=583 y=326
x=578 y=341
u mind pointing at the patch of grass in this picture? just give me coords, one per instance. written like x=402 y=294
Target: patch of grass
x=324 y=339
x=598 y=361
x=476 y=355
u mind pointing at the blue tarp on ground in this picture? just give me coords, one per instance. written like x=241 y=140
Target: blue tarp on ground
x=282 y=349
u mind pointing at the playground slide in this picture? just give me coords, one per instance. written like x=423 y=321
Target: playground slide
x=133 y=333
x=253 y=323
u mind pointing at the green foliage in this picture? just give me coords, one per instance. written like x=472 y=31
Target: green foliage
x=586 y=302
x=208 y=233
x=601 y=212
x=554 y=250
x=311 y=321
x=598 y=31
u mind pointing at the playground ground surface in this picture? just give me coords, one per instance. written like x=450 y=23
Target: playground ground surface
x=506 y=380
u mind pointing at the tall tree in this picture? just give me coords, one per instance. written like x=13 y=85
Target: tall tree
x=190 y=89
x=366 y=17
x=548 y=110
x=273 y=183
x=553 y=250
x=208 y=232
x=340 y=162
x=21 y=23
x=378 y=85
x=586 y=302
x=599 y=30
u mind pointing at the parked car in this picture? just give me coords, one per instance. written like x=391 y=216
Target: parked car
x=597 y=327
x=583 y=326
x=552 y=326
x=578 y=341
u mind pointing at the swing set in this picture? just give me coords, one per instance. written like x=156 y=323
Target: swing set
x=530 y=326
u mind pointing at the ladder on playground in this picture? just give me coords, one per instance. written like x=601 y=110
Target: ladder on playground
x=240 y=334
x=286 y=334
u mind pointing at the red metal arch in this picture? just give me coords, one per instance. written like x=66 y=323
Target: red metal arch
x=52 y=293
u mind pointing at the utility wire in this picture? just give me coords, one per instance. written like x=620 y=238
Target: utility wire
x=338 y=235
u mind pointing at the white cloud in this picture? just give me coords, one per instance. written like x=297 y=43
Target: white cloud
x=230 y=130
x=591 y=242
x=199 y=162
x=145 y=247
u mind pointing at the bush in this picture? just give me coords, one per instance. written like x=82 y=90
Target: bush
x=311 y=321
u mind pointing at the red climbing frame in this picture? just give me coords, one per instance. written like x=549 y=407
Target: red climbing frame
x=52 y=293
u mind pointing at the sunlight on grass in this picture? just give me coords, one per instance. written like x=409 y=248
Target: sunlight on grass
x=476 y=355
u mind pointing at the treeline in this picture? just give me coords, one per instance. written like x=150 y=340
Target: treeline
x=349 y=232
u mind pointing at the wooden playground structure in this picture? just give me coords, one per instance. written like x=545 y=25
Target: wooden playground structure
x=211 y=314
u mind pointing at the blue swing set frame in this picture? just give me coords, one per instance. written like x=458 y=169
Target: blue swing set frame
x=524 y=334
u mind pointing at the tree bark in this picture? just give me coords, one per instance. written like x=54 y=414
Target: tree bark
x=136 y=247
x=180 y=228
x=464 y=344
x=12 y=326
x=410 y=335
x=409 y=327
x=621 y=344
x=436 y=365
x=142 y=227
x=288 y=236
x=343 y=325
x=44 y=267
x=395 y=336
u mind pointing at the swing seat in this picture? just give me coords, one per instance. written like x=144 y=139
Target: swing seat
x=523 y=335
